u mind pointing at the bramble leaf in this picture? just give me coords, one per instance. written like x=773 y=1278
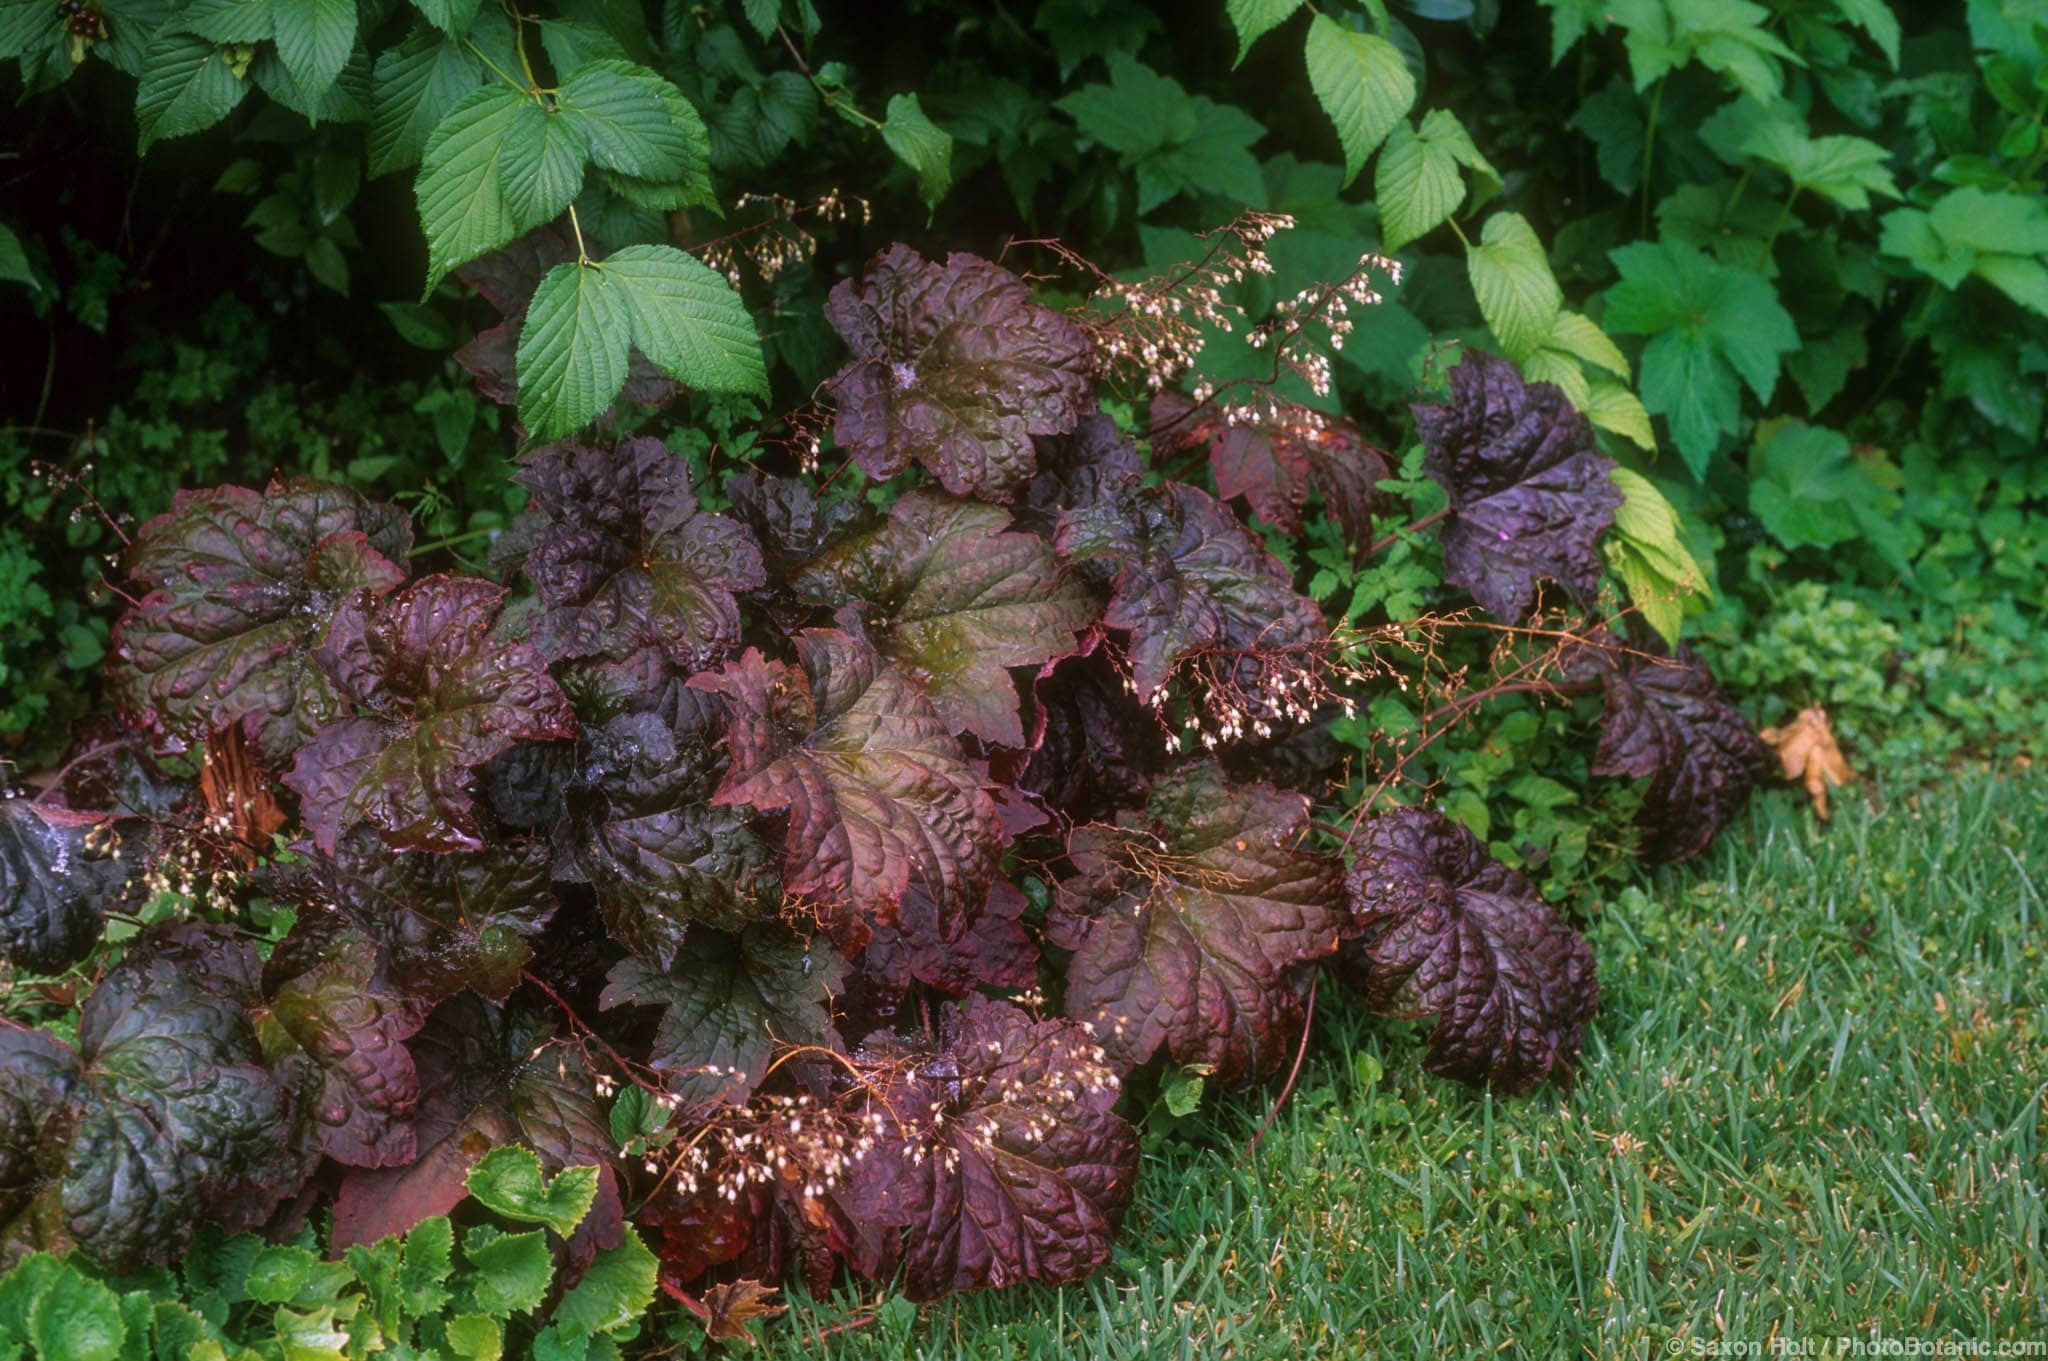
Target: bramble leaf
x=1518 y=295
x=187 y=85
x=878 y=792
x=626 y=560
x=920 y=144
x=1447 y=931
x=418 y=82
x=445 y=695
x=955 y=369
x=1530 y=492
x=242 y=586
x=460 y=188
x=1003 y=1160
x=1187 y=920
x=940 y=587
x=1362 y=83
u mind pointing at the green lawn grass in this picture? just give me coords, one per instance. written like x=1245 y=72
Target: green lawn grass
x=1810 y=1106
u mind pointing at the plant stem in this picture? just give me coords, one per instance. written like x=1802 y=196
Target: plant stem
x=499 y=70
x=1784 y=213
x=1650 y=150
x=582 y=255
x=451 y=540
x=1424 y=523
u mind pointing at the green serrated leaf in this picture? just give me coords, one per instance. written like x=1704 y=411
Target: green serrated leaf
x=1583 y=337
x=509 y=1272
x=310 y=1335
x=313 y=40
x=920 y=144
x=415 y=85
x=614 y=1292
x=2019 y=277
x=460 y=189
x=573 y=351
x=686 y=318
x=1511 y=277
x=509 y=1182
x=1253 y=19
x=452 y=17
x=279 y=1273
x=1876 y=18
x=476 y=1338
x=187 y=85
x=76 y=1318
x=1363 y=85
x=1612 y=407
x=620 y=111
x=227 y=21
x=541 y=170
x=1417 y=186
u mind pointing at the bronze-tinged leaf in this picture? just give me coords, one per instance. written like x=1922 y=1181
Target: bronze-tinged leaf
x=999 y=1156
x=988 y=947
x=627 y=560
x=1808 y=753
x=955 y=369
x=1446 y=931
x=878 y=792
x=353 y=1028
x=1189 y=920
x=942 y=587
x=445 y=697
x=241 y=587
x=1275 y=455
x=731 y=1306
x=1530 y=491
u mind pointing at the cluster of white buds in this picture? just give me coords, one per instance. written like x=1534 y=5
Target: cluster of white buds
x=779 y=241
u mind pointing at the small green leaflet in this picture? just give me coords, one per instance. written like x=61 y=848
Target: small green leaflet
x=417 y=84
x=14 y=263
x=2001 y=238
x=511 y=1271
x=227 y=21
x=1175 y=143
x=1875 y=17
x=586 y=318
x=187 y=85
x=1612 y=407
x=542 y=168
x=313 y=40
x=1363 y=85
x=920 y=144
x=1417 y=183
x=508 y=1182
x=1846 y=171
x=1518 y=295
x=461 y=198
x=1253 y=19
x=1655 y=565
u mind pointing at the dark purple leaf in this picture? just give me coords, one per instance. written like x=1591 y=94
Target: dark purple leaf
x=1188 y=920
x=1191 y=583
x=955 y=369
x=728 y=1003
x=878 y=792
x=1446 y=931
x=988 y=947
x=447 y=696
x=1074 y=469
x=58 y=871
x=489 y=1076
x=1000 y=1155
x=1667 y=722
x=642 y=832
x=1097 y=748
x=1275 y=455
x=788 y=518
x=241 y=586
x=1530 y=491
x=943 y=589
x=628 y=561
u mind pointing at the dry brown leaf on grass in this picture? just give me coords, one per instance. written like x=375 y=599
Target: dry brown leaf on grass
x=732 y=1305
x=1806 y=749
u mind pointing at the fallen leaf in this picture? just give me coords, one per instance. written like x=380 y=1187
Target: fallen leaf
x=732 y=1305
x=1806 y=749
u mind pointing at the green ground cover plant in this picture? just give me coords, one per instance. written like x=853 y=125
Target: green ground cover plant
x=849 y=715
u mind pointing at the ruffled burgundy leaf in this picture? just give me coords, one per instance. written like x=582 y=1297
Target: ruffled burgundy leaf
x=1275 y=455
x=1667 y=722
x=728 y=1003
x=955 y=369
x=1074 y=469
x=1530 y=491
x=507 y=279
x=353 y=1027
x=628 y=561
x=1188 y=920
x=944 y=588
x=792 y=523
x=1446 y=931
x=878 y=792
x=446 y=697
x=987 y=947
x=1000 y=1156
x=1190 y=581
x=441 y=923
x=1096 y=749
x=642 y=832
x=489 y=1076
x=241 y=587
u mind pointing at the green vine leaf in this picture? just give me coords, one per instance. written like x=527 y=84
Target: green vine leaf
x=314 y=38
x=920 y=144
x=416 y=85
